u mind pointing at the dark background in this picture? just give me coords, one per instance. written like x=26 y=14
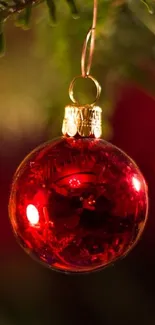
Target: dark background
x=32 y=79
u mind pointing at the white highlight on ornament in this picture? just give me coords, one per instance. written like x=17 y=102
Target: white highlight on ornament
x=32 y=214
x=71 y=128
x=74 y=182
x=136 y=183
x=97 y=132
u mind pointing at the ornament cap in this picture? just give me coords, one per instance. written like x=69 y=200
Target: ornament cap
x=82 y=120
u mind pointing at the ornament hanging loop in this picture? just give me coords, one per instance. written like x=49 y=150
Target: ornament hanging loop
x=86 y=67
x=71 y=89
x=86 y=64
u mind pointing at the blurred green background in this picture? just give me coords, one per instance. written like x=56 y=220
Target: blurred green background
x=34 y=77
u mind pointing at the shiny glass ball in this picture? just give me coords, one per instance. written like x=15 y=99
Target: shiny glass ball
x=78 y=205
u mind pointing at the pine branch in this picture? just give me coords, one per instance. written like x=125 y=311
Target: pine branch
x=9 y=7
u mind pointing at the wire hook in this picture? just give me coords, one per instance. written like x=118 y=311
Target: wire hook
x=86 y=66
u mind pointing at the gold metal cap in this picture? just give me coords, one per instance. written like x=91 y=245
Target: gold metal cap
x=82 y=120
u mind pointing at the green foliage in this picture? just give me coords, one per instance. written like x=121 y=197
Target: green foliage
x=9 y=7
x=23 y=19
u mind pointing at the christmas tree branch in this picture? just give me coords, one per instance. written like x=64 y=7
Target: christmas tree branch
x=9 y=7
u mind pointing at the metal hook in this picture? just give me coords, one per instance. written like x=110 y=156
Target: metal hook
x=86 y=67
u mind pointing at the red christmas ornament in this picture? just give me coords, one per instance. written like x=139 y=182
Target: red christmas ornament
x=78 y=203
